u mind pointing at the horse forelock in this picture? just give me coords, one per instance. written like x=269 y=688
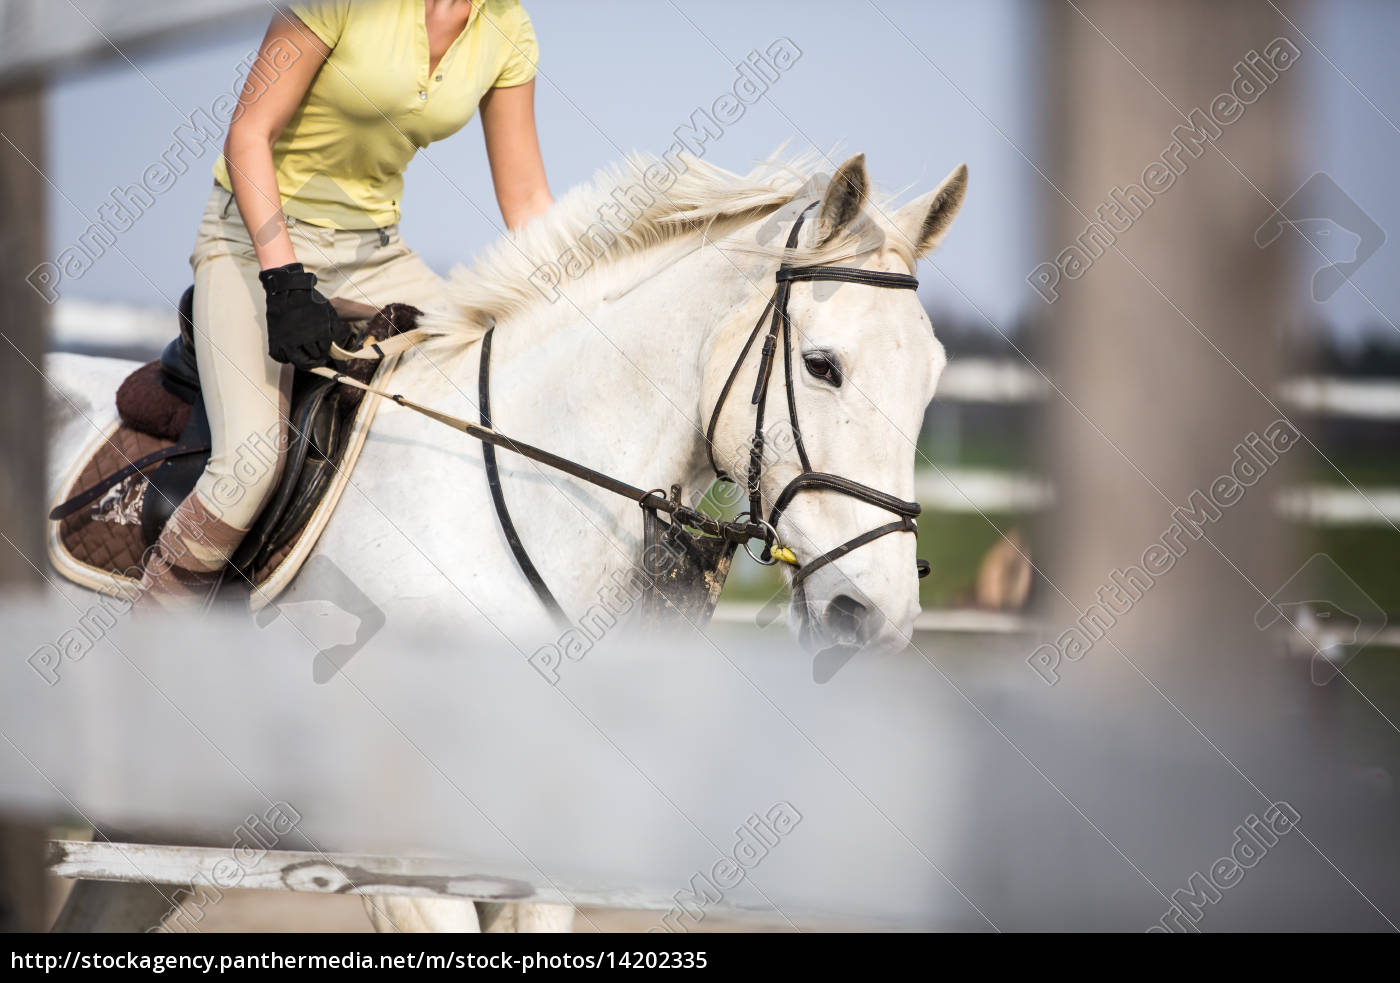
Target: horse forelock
x=604 y=229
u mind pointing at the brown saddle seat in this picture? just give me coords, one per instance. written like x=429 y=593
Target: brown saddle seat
x=132 y=481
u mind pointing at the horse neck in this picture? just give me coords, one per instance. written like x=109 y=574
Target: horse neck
x=620 y=389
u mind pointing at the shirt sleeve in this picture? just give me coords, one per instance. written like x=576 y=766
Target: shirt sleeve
x=325 y=18
x=522 y=52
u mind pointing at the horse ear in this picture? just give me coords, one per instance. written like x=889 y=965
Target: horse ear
x=925 y=220
x=843 y=199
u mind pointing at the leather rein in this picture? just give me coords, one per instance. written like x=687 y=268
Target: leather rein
x=746 y=527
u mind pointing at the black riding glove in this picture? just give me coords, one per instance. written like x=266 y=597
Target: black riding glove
x=301 y=324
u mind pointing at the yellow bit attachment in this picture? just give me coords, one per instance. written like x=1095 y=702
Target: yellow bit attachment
x=784 y=554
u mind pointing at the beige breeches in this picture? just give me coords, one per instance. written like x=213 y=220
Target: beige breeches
x=246 y=393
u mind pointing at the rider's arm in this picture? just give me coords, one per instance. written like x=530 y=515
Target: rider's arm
x=263 y=110
x=513 y=148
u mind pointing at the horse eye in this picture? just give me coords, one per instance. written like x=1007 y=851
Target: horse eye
x=823 y=366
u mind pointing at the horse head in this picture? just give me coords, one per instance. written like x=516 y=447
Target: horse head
x=852 y=372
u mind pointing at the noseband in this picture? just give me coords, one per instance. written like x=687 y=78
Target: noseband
x=780 y=332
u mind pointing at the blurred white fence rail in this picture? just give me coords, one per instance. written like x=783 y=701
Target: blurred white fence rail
x=638 y=771
x=1368 y=399
x=289 y=870
x=930 y=786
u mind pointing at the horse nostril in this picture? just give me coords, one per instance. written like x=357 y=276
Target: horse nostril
x=844 y=615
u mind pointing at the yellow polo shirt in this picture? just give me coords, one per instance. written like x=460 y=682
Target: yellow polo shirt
x=373 y=104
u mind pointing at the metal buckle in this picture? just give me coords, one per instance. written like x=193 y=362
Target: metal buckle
x=658 y=492
x=768 y=543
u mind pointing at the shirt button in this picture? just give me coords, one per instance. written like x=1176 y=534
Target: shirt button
x=422 y=94
x=438 y=79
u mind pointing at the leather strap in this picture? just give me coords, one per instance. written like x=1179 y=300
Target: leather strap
x=830 y=556
x=775 y=314
x=489 y=436
x=818 y=480
x=93 y=492
x=493 y=480
x=393 y=345
x=721 y=473
x=848 y=274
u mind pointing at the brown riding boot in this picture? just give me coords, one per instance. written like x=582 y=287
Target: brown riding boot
x=185 y=566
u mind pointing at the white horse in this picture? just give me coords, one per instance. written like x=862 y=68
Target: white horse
x=618 y=316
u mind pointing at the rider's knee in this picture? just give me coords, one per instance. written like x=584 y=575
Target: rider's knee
x=239 y=481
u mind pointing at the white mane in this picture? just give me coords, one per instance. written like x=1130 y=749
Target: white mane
x=703 y=202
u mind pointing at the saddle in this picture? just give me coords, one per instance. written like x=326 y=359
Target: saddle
x=128 y=483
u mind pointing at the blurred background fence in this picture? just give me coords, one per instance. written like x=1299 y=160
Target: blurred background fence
x=1072 y=423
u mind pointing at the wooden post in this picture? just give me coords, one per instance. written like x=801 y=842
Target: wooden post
x=1164 y=339
x=23 y=322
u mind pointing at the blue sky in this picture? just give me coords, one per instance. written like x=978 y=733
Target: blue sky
x=917 y=86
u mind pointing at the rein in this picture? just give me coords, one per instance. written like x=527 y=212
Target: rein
x=748 y=526
x=653 y=499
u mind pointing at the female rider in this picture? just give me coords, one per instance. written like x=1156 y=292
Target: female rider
x=305 y=206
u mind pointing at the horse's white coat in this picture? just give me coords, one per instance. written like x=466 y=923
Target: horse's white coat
x=621 y=373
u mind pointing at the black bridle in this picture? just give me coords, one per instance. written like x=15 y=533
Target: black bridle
x=780 y=332
x=747 y=527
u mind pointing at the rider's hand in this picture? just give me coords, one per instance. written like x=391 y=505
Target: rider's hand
x=300 y=322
